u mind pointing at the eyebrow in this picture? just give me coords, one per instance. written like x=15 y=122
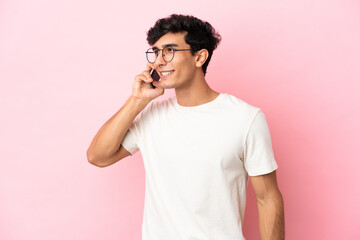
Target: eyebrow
x=167 y=45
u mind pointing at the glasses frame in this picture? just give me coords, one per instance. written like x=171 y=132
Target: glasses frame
x=150 y=50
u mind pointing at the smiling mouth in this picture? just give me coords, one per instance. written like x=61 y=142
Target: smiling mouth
x=166 y=73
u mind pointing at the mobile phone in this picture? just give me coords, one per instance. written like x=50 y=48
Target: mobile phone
x=155 y=76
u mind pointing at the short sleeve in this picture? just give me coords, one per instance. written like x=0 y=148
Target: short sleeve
x=258 y=153
x=137 y=129
x=130 y=141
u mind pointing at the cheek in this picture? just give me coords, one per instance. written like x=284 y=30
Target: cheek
x=190 y=69
x=187 y=66
x=186 y=74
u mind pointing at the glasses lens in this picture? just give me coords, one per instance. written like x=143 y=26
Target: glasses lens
x=150 y=55
x=168 y=54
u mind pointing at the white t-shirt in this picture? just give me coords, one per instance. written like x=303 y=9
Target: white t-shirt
x=197 y=161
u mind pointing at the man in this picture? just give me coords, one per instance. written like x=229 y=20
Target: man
x=198 y=148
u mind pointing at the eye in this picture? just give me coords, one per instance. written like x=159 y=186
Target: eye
x=156 y=51
x=169 y=50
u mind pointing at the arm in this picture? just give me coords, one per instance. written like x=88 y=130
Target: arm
x=270 y=206
x=106 y=149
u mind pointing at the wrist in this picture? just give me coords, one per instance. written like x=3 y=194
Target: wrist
x=138 y=102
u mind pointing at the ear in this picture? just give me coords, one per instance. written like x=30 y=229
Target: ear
x=201 y=57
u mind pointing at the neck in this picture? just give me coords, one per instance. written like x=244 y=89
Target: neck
x=196 y=93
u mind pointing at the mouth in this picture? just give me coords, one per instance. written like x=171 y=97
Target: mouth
x=166 y=74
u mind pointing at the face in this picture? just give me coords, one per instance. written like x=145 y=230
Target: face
x=181 y=70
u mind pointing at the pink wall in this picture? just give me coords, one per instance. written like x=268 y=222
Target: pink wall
x=68 y=66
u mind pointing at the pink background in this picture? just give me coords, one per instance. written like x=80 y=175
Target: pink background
x=67 y=66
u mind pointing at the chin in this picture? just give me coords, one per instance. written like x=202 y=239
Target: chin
x=166 y=83
x=168 y=86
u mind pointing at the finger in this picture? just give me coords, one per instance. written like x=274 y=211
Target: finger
x=155 y=83
x=142 y=78
x=149 y=66
x=147 y=75
x=160 y=90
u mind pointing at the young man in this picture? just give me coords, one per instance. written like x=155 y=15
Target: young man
x=198 y=148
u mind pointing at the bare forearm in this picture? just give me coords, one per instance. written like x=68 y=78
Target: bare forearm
x=110 y=136
x=271 y=218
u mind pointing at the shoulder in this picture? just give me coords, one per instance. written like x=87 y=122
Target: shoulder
x=156 y=107
x=160 y=105
x=239 y=106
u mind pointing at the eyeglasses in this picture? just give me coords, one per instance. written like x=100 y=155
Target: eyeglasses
x=167 y=54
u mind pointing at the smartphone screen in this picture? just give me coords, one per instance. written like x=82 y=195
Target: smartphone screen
x=155 y=76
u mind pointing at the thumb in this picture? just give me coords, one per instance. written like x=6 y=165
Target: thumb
x=160 y=90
